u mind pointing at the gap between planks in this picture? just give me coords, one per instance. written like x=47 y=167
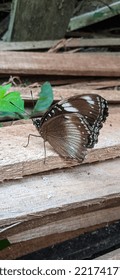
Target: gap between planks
x=78 y=64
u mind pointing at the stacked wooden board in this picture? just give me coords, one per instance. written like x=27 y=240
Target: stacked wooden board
x=45 y=204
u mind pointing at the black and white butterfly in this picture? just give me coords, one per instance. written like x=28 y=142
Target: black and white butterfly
x=72 y=125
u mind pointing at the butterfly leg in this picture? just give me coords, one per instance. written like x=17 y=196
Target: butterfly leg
x=25 y=146
x=29 y=139
x=44 y=153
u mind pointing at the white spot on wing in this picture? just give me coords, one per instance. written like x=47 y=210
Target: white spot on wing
x=88 y=99
x=69 y=108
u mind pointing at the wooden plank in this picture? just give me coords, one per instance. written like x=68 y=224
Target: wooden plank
x=81 y=43
x=41 y=20
x=112 y=96
x=18 y=161
x=66 y=82
x=28 y=45
x=94 y=16
x=77 y=64
x=4 y=26
x=70 y=43
x=94 y=42
x=84 y=246
x=40 y=212
x=93 y=83
x=114 y=255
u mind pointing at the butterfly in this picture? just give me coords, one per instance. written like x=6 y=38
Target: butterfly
x=72 y=125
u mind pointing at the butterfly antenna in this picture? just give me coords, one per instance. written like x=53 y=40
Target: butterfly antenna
x=33 y=102
x=32 y=98
x=44 y=152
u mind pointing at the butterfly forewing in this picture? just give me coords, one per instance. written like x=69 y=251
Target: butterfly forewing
x=92 y=107
x=72 y=125
x=94 y=110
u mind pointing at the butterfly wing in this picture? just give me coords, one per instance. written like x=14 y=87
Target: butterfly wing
x=72 y=125
x=93 y=108
x=68 y=134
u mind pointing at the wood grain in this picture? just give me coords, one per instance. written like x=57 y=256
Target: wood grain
x=78 y=64
x=46 y=209
x=51 y=205
x=70 y=43
x=16 y=161
x=33 y=20
x=112 y=96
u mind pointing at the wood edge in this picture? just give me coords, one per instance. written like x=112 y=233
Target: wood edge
x=24 y=247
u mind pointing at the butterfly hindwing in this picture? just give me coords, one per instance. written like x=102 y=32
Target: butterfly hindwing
x=69 y=138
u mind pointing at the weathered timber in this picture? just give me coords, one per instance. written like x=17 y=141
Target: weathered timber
x=93 y=83
x=85 y=246
x=112 y=96
x=16 y=161
x=94 y=16
x=77 y=64
x=39 y=20
x=4 y=26
x=70 y=43
x=43 y=210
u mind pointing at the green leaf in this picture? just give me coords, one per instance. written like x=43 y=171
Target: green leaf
x=17 y=105
x=6 y=114
x=4 y=243
x=15 y=98
x=4 y=89
x=10 y=102
x=45 y=98
x=11 y=115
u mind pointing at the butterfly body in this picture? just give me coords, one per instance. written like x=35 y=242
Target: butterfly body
x=72 y=125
